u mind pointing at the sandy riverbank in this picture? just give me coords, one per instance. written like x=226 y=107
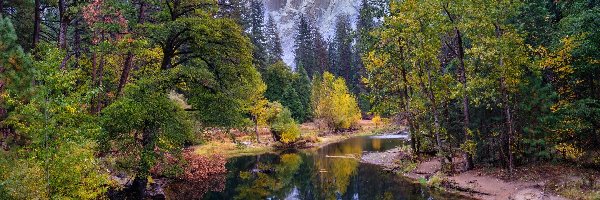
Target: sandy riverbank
x=538 y=182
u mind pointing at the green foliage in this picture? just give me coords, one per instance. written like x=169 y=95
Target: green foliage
x=302 y=86
x=343 y=65
x=15 y=65
x=54 y=151
x=257 y=35
x=526 y=87
x=144 y=112
x=289 y=88
x=279 y=78
x=436 y=180
x=282 y=125
x=274 y=49
x=303 y=44
x=333 y=103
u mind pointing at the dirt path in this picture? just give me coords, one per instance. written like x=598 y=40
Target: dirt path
x=489 y=187
x=472 y=183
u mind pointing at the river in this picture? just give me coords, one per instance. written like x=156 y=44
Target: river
x=331 y=172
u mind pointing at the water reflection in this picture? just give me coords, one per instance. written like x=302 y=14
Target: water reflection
x=332 y=172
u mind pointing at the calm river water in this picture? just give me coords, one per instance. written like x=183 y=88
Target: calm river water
x=331 y=172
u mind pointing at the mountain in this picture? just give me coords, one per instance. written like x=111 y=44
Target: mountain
x=323 y=14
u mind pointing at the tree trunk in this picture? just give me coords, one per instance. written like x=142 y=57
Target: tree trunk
x=411 y=125
x=509 y=124
x=94 y=67
x=94 y=77
x=167 y=56
x=77 y=41
x=141 y=179
x=256 y=130
x=465 y=100
x=36 y=23
x=434 y=109
x=505 y=101
x=100 y=77
x=62 y=33
x=141 y=12
x=125 y=74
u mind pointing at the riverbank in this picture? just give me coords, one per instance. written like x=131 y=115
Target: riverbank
x=312 y=138
x=531 y=182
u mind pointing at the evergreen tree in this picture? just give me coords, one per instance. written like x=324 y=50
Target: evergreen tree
x=344 y=64
x=274 y=49
x=302 y=86
x=279 y=78
x=321 y=53
x=257 y=35
x=236 y=10
x=15 y=72
x=304 y=47
x=332 y=56
x=289 y=88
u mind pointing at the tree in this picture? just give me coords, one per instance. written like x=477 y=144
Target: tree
x=343 y=42
x=304 y=47
x=144 y=112
x=257 y=35
x=53 y=151
x=333 y=103
x=236 y=10
x=291 y=89
x=274 y=49
x=15 y=75
x=282 y=125
x=278 y=77
x=172 y=28
x=302 y=86
x=321 y=53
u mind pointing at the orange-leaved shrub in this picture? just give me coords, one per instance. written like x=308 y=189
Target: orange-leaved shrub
x=201 y=167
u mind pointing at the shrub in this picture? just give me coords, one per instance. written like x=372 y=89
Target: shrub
x=282 y=125
x=333 y=103
x=200 y=168
x=436 y=180
x=376 y=120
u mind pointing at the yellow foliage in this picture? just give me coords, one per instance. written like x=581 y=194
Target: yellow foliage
x=333 y=103
x=569 y=151
x=290 y=133
x=376 y=120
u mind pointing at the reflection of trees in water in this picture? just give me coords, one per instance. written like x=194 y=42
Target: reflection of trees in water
x=279 y=176
x=335 y=172
x=376 y=143
x=269 y=179
x=195 y=189
x=201 y=175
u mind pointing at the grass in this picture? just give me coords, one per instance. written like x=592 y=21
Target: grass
x=310 y=134
x=230 y=149
x=579 y=189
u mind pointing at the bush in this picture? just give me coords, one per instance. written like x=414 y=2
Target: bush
x=282 y=125
x=333 y=103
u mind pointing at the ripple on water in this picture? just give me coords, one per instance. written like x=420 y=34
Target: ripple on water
x=395 y=136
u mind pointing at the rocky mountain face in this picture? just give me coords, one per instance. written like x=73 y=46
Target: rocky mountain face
x=322 y=14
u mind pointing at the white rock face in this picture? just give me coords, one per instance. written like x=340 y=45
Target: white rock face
x=322 y=14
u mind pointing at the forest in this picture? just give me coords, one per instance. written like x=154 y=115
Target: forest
x=94 y=92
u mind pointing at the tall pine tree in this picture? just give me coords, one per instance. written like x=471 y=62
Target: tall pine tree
x=344 y=66
x=304 y=44
x=257 y=35
x=274 y=49
x=321 y=54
